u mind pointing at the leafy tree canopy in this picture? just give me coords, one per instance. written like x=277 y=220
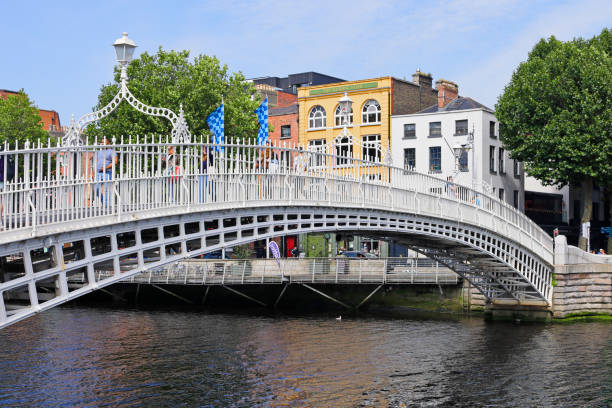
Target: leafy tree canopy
x=169 y=79
x=556 y=112
x=20 y=120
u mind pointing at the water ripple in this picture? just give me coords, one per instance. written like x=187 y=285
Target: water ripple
x=85 y=357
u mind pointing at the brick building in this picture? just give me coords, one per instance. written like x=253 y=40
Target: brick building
x=49 y=118
x=282 y=116
x=284 y=124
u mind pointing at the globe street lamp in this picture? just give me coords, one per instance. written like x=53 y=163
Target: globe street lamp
x=124 y=50
x=346 y=106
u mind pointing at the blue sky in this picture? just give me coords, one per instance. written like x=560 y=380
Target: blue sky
x=60 y=52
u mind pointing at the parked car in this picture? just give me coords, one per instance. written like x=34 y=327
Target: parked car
x=215 y=255
x=358 y=254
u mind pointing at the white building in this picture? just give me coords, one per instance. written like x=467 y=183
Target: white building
x=457 y=138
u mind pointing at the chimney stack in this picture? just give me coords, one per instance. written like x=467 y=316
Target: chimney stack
x=422 y=79
x=447 y=91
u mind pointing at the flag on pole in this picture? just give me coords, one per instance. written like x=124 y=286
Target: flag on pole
x=275 y=251
x=262 y=118
x=215 y=123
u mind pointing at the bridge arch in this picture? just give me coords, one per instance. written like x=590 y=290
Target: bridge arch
x=494 y=265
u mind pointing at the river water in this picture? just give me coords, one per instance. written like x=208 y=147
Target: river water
x=83 y=356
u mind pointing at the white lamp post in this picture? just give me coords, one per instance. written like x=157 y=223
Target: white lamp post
x=346 y=104
x=124 y=50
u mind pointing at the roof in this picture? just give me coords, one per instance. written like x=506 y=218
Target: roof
x=286 y=110
x=457 y=104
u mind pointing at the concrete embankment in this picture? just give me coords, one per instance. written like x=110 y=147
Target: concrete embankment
x=582 y=282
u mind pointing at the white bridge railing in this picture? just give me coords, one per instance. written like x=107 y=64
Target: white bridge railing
x=56 y=189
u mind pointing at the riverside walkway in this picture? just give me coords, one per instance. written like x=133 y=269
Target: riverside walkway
x=294 y=270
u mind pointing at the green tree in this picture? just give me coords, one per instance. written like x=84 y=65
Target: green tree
x=20 y=120
x=555 y=114
x=169 y=79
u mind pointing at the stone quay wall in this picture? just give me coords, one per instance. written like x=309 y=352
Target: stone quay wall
x=583 y=281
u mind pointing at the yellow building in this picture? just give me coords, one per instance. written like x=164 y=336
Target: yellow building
x=369 y=125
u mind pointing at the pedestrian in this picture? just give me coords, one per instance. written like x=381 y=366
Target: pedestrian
x=451 y=187
x=601 y=252
x=205 y=184
x=173 y=172
x=106 y=159
x=294 y=252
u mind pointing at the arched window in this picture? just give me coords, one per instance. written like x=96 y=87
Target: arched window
x=371 y=112
x=339 y=117
x=344 y=150
x=316 y=117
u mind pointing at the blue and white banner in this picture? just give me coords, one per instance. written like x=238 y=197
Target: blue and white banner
x=262 y=118
x=216 y=124
x=275 y=251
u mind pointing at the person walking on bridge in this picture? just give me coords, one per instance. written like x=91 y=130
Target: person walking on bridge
x=106 y=159
x=206 y=185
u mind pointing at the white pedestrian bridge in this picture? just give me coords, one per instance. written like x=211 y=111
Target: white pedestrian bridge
x=158 y=204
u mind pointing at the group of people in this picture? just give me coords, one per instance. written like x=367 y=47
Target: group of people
x=600 y=252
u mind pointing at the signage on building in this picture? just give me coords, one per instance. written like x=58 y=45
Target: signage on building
x=344 y=88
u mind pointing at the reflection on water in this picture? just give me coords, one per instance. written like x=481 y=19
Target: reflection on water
x=92 y=357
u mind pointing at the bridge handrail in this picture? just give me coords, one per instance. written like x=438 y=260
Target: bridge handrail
x=56 y=168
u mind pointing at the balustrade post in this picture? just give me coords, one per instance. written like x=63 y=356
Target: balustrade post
x=385 y=271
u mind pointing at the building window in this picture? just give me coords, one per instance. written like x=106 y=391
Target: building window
x=501 y=194
x=492 y=129
x=316 y=118
x=344 y=150
x=502 y=170
x=318 y=148
x=409 y=131
x=461 y=127
x=492 y=159
x=371 y=148
x=517 y=169
x=286 y=132
x=435 y=159
x=462 y=160
x=516 y=199
x=339 y=117
x=435 y=129
x=410 y=158
x=371 y=112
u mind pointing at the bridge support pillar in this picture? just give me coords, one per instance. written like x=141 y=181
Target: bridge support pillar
x=205 y=295
x=173 y=294
x=244 y=295
x=281 y=295
x=368 y=297
x=326 y=296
